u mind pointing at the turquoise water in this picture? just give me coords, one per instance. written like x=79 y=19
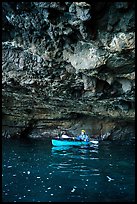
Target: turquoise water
x=33 y=170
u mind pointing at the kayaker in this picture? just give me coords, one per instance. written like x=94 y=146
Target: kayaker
x=64 y=135
x=83 y=136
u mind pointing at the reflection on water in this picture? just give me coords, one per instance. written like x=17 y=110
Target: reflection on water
x=60 y=148
x=34 y=170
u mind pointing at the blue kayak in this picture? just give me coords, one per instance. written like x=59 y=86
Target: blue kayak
x=59 y=142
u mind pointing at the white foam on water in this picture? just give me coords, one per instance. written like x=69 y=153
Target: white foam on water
x=28 y=172
x=9 y=167
x=49 y=188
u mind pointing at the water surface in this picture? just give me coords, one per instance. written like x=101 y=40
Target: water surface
x=34 y=170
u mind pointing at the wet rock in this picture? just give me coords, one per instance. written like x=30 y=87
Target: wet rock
x=81 y=10
x=86 y=56
x=124 y=132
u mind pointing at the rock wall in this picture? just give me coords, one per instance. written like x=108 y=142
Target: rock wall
x=68 y=65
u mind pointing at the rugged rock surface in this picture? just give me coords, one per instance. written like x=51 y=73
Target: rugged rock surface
x=68 y=66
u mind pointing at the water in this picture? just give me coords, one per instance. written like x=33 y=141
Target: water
x=33 y=170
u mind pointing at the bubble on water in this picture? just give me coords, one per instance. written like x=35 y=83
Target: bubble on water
x=19 y=197
x=24 y=172
x=125 y=188
x=47 y=178
x=38 y=177
x=96 y=182
x=14 y=174
x=60 y=187
x=50 y=173
x=87 y=180
x=51 y=194
x=29 y=190
x=24 y=196
x=28 y=172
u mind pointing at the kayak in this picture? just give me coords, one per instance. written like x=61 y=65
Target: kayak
x=60 y=142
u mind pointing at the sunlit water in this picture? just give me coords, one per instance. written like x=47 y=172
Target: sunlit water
x=33 y=170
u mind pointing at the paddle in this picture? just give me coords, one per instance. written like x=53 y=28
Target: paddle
x=94 y=141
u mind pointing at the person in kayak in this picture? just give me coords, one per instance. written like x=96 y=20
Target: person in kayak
x=83 y=136
x=65 y=135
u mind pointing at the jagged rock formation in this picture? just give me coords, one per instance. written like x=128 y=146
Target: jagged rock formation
x=66 y=66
